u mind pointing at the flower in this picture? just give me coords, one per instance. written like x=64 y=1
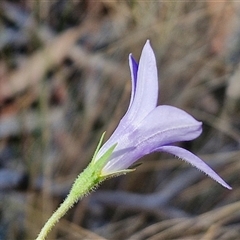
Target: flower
x=147 y=128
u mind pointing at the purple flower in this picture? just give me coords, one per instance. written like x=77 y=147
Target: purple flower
x=147 y=128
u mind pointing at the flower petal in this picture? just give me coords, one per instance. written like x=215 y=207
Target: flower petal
x=146 y=93
x=195 y=161
x=134 y=69
x=165 y=125
x=143 y=98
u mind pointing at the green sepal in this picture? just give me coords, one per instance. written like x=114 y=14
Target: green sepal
x=117 y=173
x=101 y=162
x=98 y=147
x=135 y=165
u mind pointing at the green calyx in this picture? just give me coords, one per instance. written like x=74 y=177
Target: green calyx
x=92 y=176
x=98 y=164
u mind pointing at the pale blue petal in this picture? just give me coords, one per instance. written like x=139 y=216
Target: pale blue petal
x=146 y=94
x=195 y=161
x=143 y=98
x=134 y=70
x=165 y=125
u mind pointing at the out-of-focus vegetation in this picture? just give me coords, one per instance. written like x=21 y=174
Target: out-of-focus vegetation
x=64 y=80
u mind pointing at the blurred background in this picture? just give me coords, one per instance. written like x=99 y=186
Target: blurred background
x=64 y=80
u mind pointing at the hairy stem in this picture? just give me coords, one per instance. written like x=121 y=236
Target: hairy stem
x=82 y=186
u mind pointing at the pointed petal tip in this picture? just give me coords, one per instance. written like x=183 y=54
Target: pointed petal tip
x=148 y=42
x=132 y=59
x=147 y=46
x=226 y=186
x=194 y=161
x=220 y=181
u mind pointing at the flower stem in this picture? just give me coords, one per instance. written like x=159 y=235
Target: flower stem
x=85 y=182
x=82 y=186
x=64 y=207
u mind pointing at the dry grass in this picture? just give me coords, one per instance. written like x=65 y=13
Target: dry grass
x=64 y=80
